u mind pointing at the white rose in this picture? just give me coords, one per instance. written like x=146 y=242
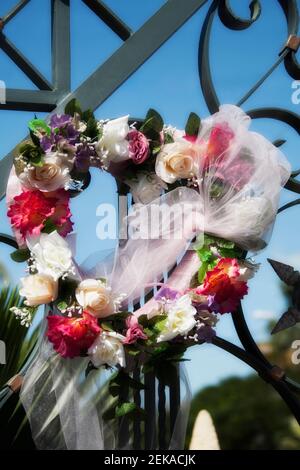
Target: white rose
x=114 y=141
x=180 y=319
x=177 y=160
x=54 y=173
x=95 y=297
x=51 y=253
x=147 y=188
x=38 y=289
x=108 y=349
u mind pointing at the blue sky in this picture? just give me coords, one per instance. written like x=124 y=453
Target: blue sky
x=168 y=82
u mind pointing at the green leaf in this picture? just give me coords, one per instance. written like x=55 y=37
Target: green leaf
x=62 y=305
x=35 y=139
x=202 y=271
x=39 y=125
x=91 y=128
x=128 y=409
x=279 y=142
x=73 y=107
x=20 y=255
x=205 y=254
x=155 y=119
x=168 y=138
x=49 y=226
x=86 y=115
x=193 y=125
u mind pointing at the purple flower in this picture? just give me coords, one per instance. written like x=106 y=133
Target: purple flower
x=47 y=142
x=83 y=156
x=138 y=147
x=206 y=333
x=71 y=133
x=166 y=293
x=58 y=121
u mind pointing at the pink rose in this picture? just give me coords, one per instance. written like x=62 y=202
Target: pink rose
x=134 y=330
x=138 y=146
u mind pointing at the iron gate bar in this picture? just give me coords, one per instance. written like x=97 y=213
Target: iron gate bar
x=61 y=49
x=110 y=18
x=117 y=69
x=24 y=64
x=30 y=100
x=121 y=65
x=12 y=13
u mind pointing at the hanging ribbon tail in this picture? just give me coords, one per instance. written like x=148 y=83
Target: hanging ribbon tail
x=179 y=431
x=64 y=407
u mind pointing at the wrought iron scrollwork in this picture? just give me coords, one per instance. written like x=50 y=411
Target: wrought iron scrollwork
x=250 y=353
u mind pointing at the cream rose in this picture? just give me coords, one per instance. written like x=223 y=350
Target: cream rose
x=38 y=289
x=177 y=160
x=95 y=297
x=108 y=349
x=54 y=173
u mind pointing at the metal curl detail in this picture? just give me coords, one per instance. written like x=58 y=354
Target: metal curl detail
x=230 y=20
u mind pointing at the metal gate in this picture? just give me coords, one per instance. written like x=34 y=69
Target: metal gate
x=136 y=49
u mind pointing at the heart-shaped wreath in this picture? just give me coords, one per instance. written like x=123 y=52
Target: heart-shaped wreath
x=231 y=177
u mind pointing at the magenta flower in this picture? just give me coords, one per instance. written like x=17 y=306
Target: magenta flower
x=138 y=147
x=134 y=330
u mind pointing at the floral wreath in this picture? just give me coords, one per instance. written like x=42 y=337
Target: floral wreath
x=86 y=317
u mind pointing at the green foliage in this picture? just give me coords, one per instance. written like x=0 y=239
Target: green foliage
x=193 y=125
x=39 y=126
x=122 y=386
x=247 y=414
x=20 y=255
x=19 y=340
x=32 y=154
x=225 y=249
x=49 y=226
x=73 y=107
x=152 y=126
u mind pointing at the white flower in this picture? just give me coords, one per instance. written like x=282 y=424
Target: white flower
x=247 y=270
x=244 y=212
x=38 y=289
x=177 y=160
x=52 y=175
x=95 y=297
x=113 y=143
x=51 y=254
x=147 y=188
x=180 y=319
x=108 y=349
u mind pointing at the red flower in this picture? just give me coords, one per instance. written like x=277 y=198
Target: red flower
x=223 y=287
x=31 y=209
x=72 y=337
x=218 y=144
x=134 y=330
